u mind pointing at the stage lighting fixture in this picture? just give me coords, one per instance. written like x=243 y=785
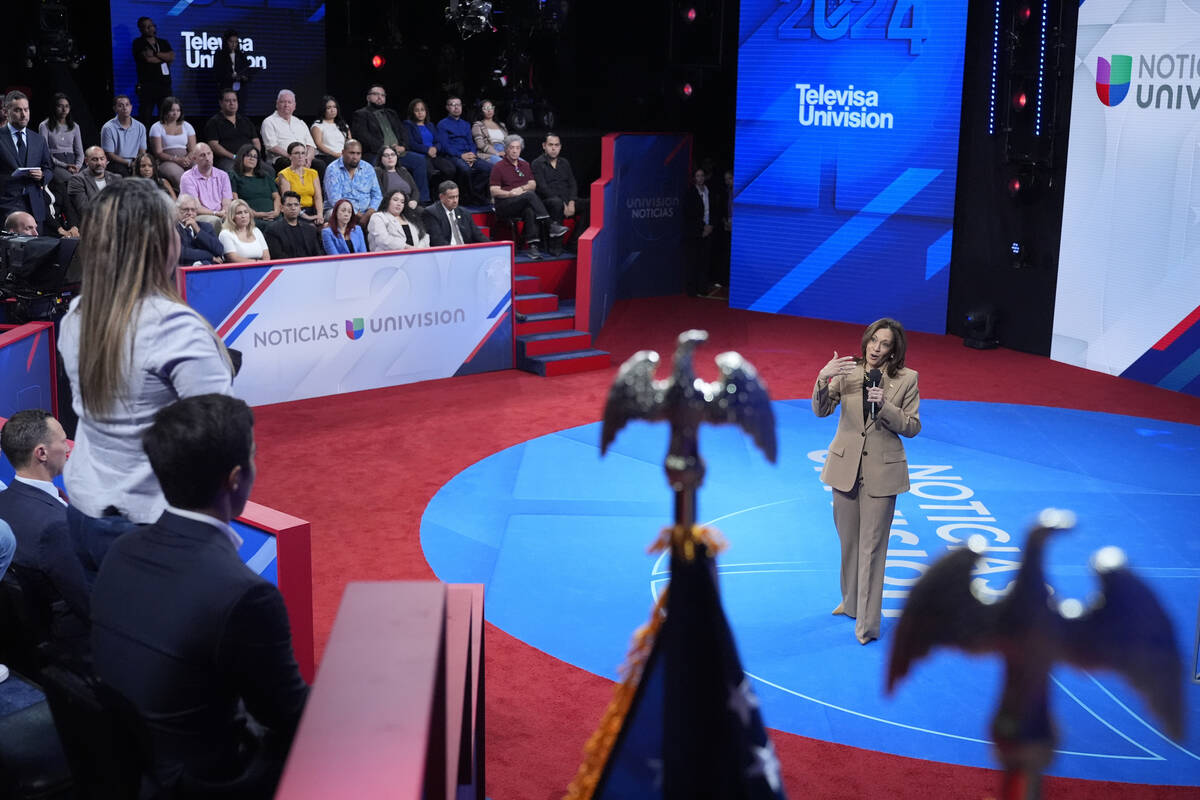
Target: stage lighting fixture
x=377 y=61
x=690 y=14
x=1014 y=186
x=981 y=326
x=1024 y=13
x=1020 y=100
x=686 y=90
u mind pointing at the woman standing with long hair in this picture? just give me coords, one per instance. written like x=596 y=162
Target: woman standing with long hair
x=130 y=346
x=866 y=467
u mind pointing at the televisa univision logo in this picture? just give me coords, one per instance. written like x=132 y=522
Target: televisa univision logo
x=354 y=328
x=1113 y=78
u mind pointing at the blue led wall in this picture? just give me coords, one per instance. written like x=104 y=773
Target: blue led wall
x=284 y=39
x=846 y=156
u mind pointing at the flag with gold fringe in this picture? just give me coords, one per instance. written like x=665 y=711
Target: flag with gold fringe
x=685 y=721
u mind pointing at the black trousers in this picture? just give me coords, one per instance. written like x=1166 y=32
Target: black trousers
x=149 y=94
x=528 y=207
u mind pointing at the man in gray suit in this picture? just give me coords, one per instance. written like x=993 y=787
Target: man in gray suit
x=87 y=184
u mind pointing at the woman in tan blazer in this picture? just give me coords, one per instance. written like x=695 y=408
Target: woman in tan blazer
x=866 y=466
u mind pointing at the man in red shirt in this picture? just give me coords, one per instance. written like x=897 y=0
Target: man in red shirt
x=512 y=188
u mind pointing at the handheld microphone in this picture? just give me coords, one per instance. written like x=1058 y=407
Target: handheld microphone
x=873 y=379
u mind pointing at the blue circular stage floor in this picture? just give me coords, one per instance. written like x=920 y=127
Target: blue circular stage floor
x=559 y=537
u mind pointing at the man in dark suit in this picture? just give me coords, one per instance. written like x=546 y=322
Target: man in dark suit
x=198 y=243
x=439 y=215
x=699 y=213
x=197 y=642
x=368 y=125
x=25 y=164
x=45 y=563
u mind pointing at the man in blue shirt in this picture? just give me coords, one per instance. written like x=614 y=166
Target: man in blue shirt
x=123 y=138
x=348 y=177
x=469 y=171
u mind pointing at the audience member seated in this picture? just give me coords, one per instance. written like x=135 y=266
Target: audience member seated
x=514 y=195
x=240 y=237
x=424 y=138
x=459 y=145
x=144 y=167
x=489 y=134
x=50 y=573
x=396 y=226
x=172 y=140
x=342 y=234
x=446 y=222
x=393 y=177
x=227 y=132
x=198 y=242
x=197 y=642
x=231 y=67
x=21 y=223
x=63 y=138
x=123 y=137
x=207 y=184
x=129 y=347
x=304 y=181
x=83 y=188
x=557 y=187
x=348 y=177
x=251 y=181
x=289 y=237
x=25 y=165
x=330 y=131
x=377 y=126
x=282 y=128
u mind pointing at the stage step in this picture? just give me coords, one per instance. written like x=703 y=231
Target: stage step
x=546 y=322
x=567 y=363
x=527 y=284
x=536 y=303
x=542 y=344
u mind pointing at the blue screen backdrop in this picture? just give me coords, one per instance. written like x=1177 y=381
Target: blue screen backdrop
x=847 y=149
x=284 y=39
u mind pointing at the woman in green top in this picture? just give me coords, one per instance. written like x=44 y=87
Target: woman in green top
x=251 y=182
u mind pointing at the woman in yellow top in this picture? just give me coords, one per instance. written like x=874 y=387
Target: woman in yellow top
x=302 y=179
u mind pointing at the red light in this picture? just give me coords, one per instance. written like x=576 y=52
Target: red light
x=377 y=61
x=1024 y=13
x=688 y=90
x=1020 y=100
x=691 y=15
x=1014 y=186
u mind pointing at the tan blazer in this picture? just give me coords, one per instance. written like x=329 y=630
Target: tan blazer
x=876 y=445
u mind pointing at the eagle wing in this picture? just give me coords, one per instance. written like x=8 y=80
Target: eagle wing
x=942 y=610
x=741 y=397
x=1126 y=630
x=634 y=394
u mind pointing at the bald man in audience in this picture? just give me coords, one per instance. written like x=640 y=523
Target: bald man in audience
x=209 y=185
x=85 y=185
x=21 y=223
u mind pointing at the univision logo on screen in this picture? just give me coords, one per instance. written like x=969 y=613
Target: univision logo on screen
x=1112 y=79
x=1169 y=81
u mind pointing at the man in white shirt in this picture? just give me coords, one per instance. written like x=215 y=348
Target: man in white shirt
x=282 y=128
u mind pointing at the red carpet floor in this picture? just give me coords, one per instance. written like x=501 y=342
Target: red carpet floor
x=363 y=467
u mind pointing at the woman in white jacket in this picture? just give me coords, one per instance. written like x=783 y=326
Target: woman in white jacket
x=395 y=226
